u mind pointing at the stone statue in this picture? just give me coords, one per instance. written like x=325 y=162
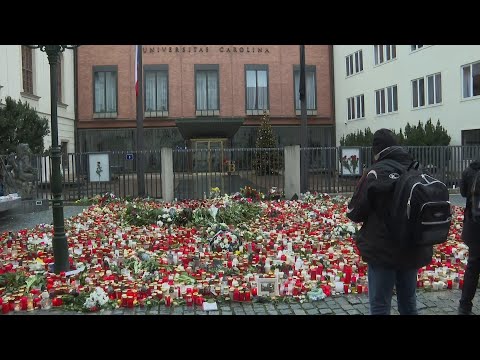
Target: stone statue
x=18 y=175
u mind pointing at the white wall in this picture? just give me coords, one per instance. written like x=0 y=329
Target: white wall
x=12 y=85
x=455 y=114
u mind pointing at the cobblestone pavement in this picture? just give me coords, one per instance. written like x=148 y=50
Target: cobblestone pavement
x=428 y=303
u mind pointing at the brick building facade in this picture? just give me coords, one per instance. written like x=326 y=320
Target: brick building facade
x=198 y=92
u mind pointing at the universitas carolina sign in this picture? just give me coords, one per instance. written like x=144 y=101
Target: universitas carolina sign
x=205 y=49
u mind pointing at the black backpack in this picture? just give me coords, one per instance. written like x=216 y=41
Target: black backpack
x=476 y=198
x=420 y=211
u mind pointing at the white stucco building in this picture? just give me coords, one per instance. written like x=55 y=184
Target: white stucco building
x=389 y=85
x=25 y=75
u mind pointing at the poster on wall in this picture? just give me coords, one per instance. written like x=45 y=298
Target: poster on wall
x=98 y=167
x=350 y=163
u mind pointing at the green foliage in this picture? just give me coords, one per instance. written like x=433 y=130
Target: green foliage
x=151 y=265
x=267 y=162
x=412 y=135
x=140 y=214
x=12 y=281
x=426 y=135
x=75 y=302
x=359 y=138
x=19 y=123
x=234 y=214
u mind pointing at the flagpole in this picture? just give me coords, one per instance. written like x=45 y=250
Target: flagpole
x=303 y=123
x=140 y=137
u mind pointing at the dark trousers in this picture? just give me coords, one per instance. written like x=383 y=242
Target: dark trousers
x=381 y=282
x=470 y=280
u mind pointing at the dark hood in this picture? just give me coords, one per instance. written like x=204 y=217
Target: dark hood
x=475 y=165
x=396 y=153
x=382 y=139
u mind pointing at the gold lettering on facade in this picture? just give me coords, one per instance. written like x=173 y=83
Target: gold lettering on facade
x=204 y=49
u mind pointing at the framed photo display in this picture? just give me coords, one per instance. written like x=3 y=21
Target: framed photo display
x=267 y=286
x=350 y=161
x=98 y=167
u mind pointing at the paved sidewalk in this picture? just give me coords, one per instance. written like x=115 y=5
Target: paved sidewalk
x=16 y=222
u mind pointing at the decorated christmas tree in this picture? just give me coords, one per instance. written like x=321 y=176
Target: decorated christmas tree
x=267 y=162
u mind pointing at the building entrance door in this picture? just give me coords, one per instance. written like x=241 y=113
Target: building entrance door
x=208 y=156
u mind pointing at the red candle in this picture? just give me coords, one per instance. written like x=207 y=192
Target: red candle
x=168 y=300
x=313 y=274
x=359 y=289
x=23 y=303
x=236 y=295
x=254 y=291
x=5 y=308
x=36 y=302
x=345 y=288
x=247 y=295
x=130 y=301
x=449 y=284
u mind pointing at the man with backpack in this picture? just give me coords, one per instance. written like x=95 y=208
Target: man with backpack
x=393 y=200
x=470 y=189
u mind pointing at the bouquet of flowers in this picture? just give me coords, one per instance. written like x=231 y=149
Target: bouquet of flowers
x=96 y=300
x=275 y=194
x=225 y=240
x=249 y=193
x=214 y=192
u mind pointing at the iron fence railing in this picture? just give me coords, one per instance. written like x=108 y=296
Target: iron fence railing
x=197 y=171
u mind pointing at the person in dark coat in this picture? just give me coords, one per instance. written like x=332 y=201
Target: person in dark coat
x=470 y=236
x=389 y=265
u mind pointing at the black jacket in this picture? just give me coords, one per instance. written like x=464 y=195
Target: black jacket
x=471 y=230
x=369 y=204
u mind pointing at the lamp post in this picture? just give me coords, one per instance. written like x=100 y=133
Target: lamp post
x=60 y=244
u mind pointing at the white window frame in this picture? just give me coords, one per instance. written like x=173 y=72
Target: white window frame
x=435 y=95
x=414 y=48
x=426 y=89
x=387 y=100
x=376 y=54
x=358 y=104
x=471 y=81
x=353 y=61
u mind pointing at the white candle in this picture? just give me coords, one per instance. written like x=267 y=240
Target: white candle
x=338 y=286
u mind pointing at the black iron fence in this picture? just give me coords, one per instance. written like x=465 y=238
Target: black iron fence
x=85 y=175
x=327 y=171
x=197 y=171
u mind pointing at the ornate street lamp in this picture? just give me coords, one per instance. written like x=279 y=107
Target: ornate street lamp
x=60 y=244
